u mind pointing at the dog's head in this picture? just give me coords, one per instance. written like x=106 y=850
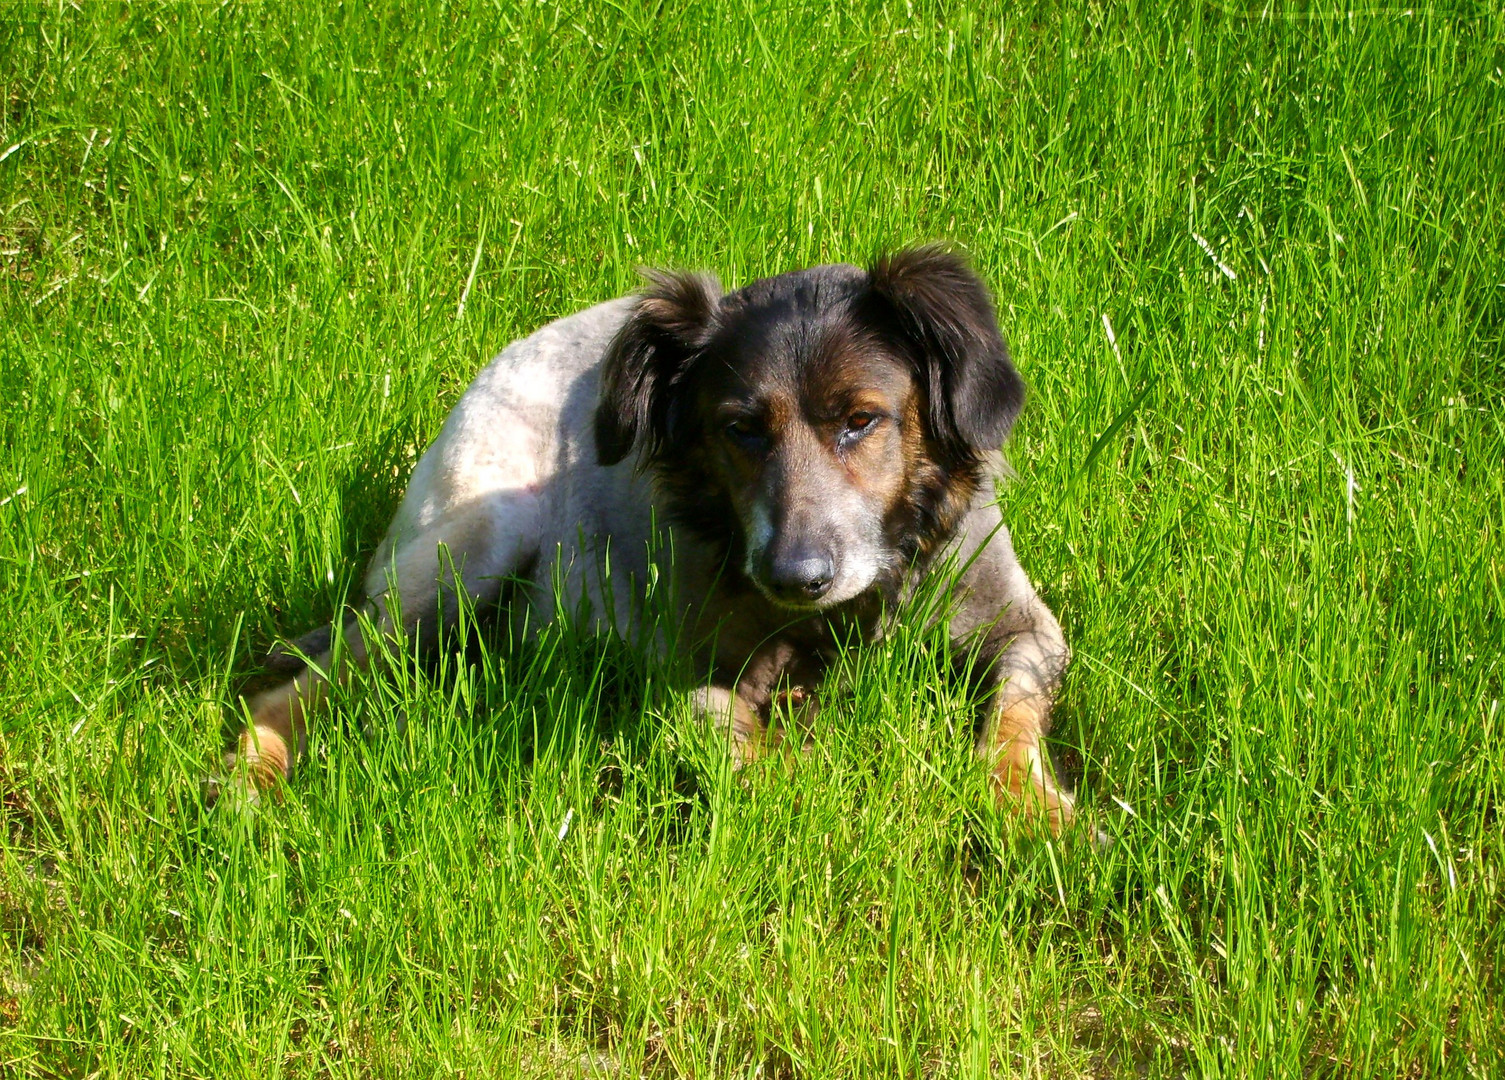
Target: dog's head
x=826 y=425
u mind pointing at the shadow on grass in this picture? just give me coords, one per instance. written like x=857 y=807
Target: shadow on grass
x=306 y=608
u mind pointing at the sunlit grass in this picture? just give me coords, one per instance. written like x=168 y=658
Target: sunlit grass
x=1252 y=265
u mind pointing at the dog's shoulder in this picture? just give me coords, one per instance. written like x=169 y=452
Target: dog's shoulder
x=990 y=579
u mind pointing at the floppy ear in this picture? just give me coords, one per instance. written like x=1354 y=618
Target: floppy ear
x=673 y=318
x=946 y=314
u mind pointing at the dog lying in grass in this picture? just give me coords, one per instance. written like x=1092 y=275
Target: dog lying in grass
x=816 y=443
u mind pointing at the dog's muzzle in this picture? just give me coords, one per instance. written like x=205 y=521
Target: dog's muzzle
x=798 y=575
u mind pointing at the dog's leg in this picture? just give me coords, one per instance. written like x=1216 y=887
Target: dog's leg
x=277 y=734
x=739 y=718
x=1029 y=659
x=743 y=701
x=415 y=593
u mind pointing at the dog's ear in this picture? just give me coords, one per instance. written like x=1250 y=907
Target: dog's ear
x=946 y=314
x=673 y=319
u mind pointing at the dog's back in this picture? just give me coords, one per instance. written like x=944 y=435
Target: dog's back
x=516 y=461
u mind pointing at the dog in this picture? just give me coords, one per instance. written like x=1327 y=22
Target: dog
x=815 y=443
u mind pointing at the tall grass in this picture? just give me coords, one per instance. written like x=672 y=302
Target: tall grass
x=1252 y=264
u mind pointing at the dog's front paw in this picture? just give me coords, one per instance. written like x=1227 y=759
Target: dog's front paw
x=795 y=710
x=746 y=733
x=795 y=705
x=1020 y=778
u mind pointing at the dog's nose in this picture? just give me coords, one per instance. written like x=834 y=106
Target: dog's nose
x=801 y=577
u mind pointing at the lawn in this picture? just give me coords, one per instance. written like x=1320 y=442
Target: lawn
x=1251 y=260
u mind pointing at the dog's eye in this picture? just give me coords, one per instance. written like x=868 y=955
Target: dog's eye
x=858 y=425
x=745 y=434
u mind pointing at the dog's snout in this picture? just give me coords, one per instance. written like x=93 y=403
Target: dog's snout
x=801 y=576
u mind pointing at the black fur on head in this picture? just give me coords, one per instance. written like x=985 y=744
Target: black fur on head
x=944 y=312
x=673 y=319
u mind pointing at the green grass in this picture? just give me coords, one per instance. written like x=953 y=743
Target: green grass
x=1268 y=507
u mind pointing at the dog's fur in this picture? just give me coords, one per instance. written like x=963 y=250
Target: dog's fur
x=815 y=441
